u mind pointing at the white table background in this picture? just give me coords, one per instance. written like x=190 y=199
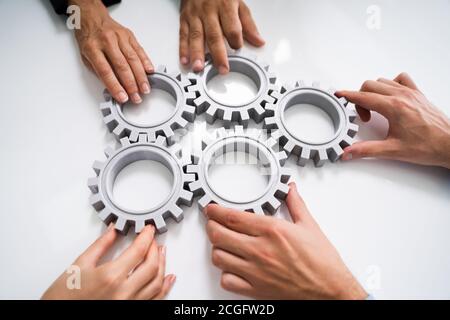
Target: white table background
x=383 y=216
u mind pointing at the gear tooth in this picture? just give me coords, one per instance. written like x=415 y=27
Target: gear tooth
x=180 y=123
x=352 y=129
x=244 y=117
x=121 y=225
x=334 y=153
x=272 y=205
x=211 y=114
x=281 y=156
x=271 y=142
x=351 y=114
x=203 y=202
x=270 y=123
x=272 y=77
x=97 y=166
x=176 y=212
x=316 y=84
x=222 y=132
x=106 y=95
x=96 y=201
x=276 y=134
x=160 y=224
x=139 y=225
x=239 y=131
x=151 y=136
x=161 y=140
x=346 y=141
x=320 y=157
x=134 y=135
x=342 y=100
x=276 y=94
x=125 y=142
x=190 y=96
x=186 y=198
x=258 y=113
x=304 y=156
x=111 y=122
x=193 y=168
x=285 y=175
x=189 y=113
x=270 y=108
x=106 y=216
x=201 y=104
x=161 y=69
x=176 y=149
x=168 y=132
x=258 y=211
x=227 y=115
x=331 y=92
x=142 y=138
x=109 y=151
x=93 y=184
x=119 y=131
x=196 y=187
x=282 y=191
x=254 y=133
x=289 y=147
x=105 y=108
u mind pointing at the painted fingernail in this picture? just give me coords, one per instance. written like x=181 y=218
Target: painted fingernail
x=146 y=88
x=123 y=97
x=347 y=156
x=184 y=60
x=136 y=98
x=223 y=69
x=197 y=65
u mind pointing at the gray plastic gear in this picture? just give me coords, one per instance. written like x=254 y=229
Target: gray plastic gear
x=144 y=149
x=342 y=116
x=250 y=142
x=254 y=108
x=176 y=85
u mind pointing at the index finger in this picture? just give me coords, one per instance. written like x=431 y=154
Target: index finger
x=216 y=44
x=240 y=221
x=369 y=100
x=137 y=251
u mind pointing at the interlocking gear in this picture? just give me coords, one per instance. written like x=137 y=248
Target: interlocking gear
x=144 y=149
x=175 y=84
x=250 y=142
x=342 y=116
x=254 y=108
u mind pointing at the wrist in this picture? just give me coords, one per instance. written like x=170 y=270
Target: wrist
x=348 y=288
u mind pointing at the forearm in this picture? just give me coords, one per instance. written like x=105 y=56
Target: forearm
x=60 y=6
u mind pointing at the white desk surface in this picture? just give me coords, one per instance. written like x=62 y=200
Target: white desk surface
x=383 y=216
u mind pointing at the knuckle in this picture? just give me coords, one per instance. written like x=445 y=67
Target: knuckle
x=234 y=34
x=366 y=84
x=131 y=56
x=88 y=47
x=107 y=36
x=196 y=35
x=231 y=219
x=214 y=37
x=110 y=279
x=122 y=66
x=104 y=71
x=275 y=230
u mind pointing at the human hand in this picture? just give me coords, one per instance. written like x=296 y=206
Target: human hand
x=112 y=52
x=267 y=258
x=211 y=20
x=418 y=131
x=138 y=273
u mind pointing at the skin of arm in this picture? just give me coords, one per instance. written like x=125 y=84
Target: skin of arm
x=214 y=22
x=138 y=273
x=112 y=52
x=267 y=258
x=418 y=131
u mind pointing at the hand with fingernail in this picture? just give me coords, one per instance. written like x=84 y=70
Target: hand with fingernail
x=138 y=273
x=214 y=21
x=418 y=131
x=112 y=52
x=268 y=258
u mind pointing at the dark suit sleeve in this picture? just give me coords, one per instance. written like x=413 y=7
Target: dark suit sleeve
x=60 y=6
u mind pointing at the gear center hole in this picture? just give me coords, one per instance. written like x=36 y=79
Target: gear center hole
x=312 y=119
x=239 y=176
x=239 y=87
x=156 y=108
x=142 y=185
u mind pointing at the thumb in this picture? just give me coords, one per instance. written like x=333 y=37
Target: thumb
x=369 y=149
x=99 y=248
x=297 y=207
